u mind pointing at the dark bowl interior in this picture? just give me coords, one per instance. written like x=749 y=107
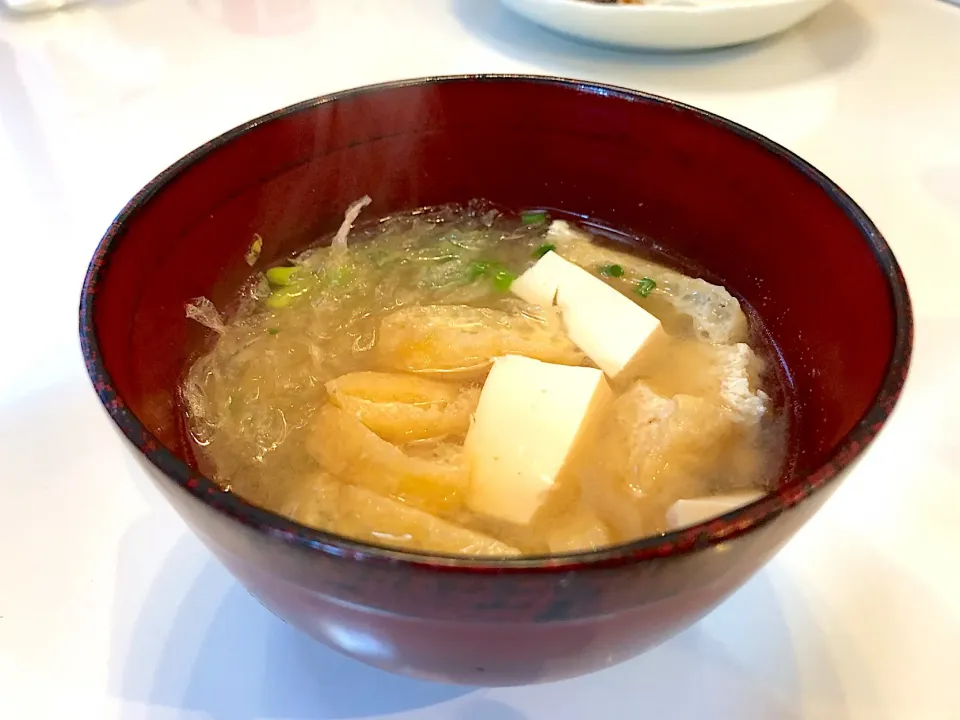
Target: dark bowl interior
x=770 y=227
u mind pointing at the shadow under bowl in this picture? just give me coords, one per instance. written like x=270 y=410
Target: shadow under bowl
x=765 y=223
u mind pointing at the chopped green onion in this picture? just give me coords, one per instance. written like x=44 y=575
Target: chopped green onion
x=478 y=270
x=612 y=271
x=533 y=217
x=645 y=287
x=273 y=331
x=543 y=250
x=281 y=297
x=281 y=276
x=503 y=279
x=277 y=301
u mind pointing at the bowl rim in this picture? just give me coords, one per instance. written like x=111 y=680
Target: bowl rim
x=617 y=10
x=685 y=540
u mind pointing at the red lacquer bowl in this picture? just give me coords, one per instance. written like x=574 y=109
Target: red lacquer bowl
x=767 y=224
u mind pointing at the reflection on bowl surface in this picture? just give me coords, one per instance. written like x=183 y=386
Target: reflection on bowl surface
x=763 y=222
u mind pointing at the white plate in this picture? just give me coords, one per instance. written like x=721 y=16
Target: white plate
x=668 y=24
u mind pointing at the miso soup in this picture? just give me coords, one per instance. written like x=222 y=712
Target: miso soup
x=466 y=380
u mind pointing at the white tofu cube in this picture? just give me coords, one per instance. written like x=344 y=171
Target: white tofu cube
x=531 y=417
x=539 y=284
x=609 y=327
x=684 y=513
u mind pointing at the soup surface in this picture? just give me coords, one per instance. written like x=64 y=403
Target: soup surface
x=463 y=380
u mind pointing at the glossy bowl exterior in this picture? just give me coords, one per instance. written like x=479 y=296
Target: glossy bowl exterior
x=764 y=222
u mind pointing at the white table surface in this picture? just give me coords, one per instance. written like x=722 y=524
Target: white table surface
x=109 y=609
